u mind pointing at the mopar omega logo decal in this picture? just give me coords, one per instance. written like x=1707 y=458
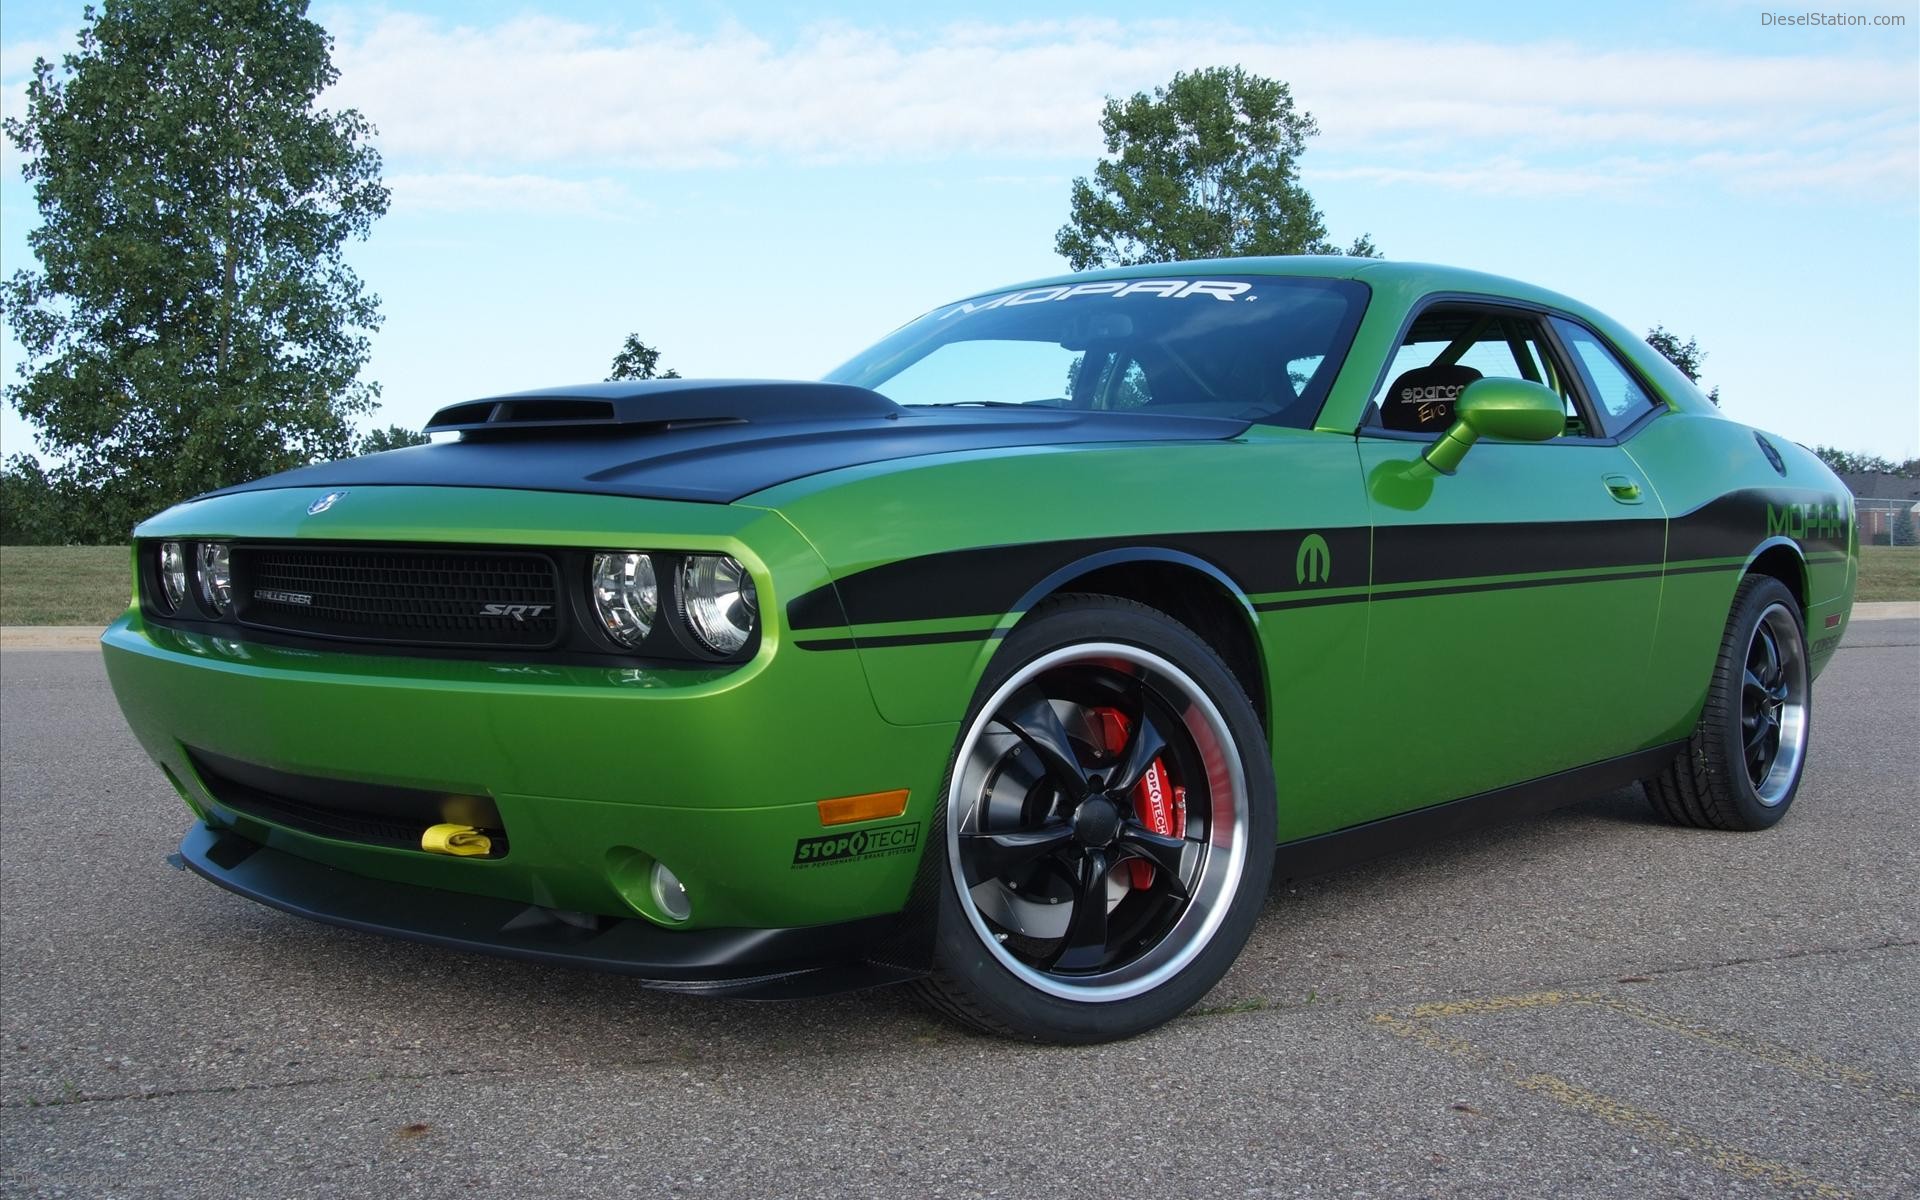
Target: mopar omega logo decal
x=861 y=843
x=1314 y=563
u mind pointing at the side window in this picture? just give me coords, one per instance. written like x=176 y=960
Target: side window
x=1608 y=381
x=1450 y=346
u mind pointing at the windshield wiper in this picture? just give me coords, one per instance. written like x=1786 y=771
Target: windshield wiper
x=989 y=404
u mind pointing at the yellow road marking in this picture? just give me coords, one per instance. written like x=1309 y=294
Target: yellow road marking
x=1807 y=1066
x=1731 y=1160
x=1417 y=1025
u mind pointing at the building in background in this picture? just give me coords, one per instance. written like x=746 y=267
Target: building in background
x=1880 y=500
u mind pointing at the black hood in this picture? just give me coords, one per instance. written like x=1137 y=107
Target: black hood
x=711 y=440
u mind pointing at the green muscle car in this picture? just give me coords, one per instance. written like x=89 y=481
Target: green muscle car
x=1013 y=659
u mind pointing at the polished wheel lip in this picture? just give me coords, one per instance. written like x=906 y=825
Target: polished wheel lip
x=1772 y=699
x=1218 y=877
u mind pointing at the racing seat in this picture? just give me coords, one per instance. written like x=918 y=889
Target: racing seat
x=1421 y=400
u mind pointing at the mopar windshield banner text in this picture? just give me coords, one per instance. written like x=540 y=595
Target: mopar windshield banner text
x=1165 y=289
x=879 y=842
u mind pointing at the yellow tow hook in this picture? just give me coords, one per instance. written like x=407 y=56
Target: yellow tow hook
x=462 y=840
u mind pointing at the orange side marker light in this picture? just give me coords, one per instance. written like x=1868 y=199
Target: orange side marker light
x=869 y=807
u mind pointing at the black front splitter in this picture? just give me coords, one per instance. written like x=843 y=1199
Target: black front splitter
x=758 y=964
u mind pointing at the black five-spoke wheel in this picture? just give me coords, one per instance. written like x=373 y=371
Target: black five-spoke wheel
x=1102 y=812
x=1772 y=703
x=1743 y=764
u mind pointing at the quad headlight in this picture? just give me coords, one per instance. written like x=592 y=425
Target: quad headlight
x=718 y=598
x=215 y=572
x=173 y=574
x=626 y=596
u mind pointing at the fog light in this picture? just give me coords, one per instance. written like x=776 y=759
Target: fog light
x=670 y=894
x=173 y=574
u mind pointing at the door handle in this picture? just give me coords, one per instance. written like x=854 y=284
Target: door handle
x=1623 y=488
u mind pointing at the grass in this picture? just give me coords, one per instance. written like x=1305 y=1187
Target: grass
x=1889 y=573
x=63 y=585
x=87 y=585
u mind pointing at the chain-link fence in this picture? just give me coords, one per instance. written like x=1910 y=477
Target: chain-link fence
x=1888 y=522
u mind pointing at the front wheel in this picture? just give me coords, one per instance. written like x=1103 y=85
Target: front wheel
x=1742 y=766
x=1109 y=828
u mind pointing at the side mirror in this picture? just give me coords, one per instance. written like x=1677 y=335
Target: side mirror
x=1510 y=409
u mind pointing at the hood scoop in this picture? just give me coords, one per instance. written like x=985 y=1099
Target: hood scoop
x=659 y=403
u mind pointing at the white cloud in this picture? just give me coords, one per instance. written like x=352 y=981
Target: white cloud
x=539 y=92
x=466 y=191
x=1509 y=177
x=536 y=113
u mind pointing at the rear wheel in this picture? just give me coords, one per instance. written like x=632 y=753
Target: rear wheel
x=1742 y=766
x=1109 y=828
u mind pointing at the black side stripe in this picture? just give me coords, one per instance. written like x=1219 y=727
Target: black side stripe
x=990 y=581
x=1458 y=589
x=980 y=635
x=900 y=639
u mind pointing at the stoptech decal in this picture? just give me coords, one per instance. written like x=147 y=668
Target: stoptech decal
x=878 y=842
x=1161 y=289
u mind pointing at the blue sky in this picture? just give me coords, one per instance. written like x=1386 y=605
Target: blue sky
x=761 y=193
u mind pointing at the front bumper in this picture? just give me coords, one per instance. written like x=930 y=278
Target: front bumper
x=595 y=773
x=761 y=964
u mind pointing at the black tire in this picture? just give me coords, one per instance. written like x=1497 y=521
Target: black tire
x=1715 y=783
x=1160 y=946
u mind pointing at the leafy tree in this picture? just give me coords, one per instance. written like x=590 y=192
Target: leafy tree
x=1205 y=167
x=393 y=437
x=1685 y=355
x=1903 y=532
x=637 y=360
x=192 y=321
x=31 y=508
x=1850 y=462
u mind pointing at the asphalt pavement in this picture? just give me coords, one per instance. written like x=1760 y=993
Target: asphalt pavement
x=1589 y=1003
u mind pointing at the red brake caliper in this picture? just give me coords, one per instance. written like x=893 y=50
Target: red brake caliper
x=1160 y=806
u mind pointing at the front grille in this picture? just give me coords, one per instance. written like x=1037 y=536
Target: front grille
x=399 y=595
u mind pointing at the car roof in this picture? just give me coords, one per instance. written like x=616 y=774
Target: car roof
x=1414 y=276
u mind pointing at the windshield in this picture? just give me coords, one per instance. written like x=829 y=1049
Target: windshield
x=1256 y=348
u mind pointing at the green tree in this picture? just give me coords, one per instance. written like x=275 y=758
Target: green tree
x=1853 y=462
x=32 y=512
x=1903 y=533
x=392 y=437
x=1685 y=355
x=637 y=360
x=192 y=321
x=1205 y=167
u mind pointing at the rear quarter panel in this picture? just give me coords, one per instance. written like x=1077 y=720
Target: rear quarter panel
x=1727 y=506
